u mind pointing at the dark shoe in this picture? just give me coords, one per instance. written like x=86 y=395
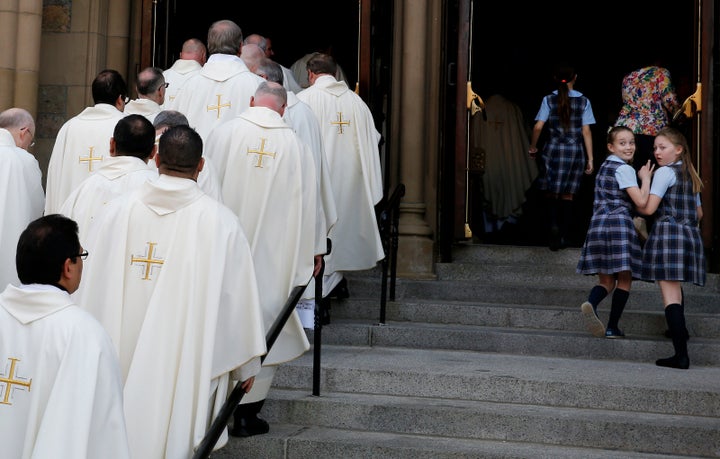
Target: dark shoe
x=250 y=426
x=340 y=291
x=681 y=363
x=325 y=311
x=592 y=322
x=614 y=333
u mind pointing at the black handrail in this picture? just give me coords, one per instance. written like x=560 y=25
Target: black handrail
x=218 y=426
x=317 y=336
x=388 y=223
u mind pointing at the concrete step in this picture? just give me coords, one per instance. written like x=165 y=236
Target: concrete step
x=546 y=343
x=389 y=402
x=634 y=322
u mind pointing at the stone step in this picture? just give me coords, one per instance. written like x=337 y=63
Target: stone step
x=394 y=402
x=545 y=343
x=634 y=321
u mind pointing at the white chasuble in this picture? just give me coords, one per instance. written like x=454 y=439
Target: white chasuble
x=171 y=277
x=81 y=146
x=60 y=383
x=23 y=201
x=269 y=182
x=351 y=145
x=119 y=175
x=301 y=118
x=219 y=92
x=177 y=75
x=143 y=107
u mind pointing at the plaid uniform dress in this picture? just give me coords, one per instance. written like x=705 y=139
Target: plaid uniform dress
x=564 y=152
x=611 y=244
x=674 y=249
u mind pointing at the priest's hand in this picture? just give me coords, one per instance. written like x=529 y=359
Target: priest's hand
x=247 y=384
x=318 y=264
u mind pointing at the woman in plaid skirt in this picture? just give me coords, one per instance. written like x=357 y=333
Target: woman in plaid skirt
x=568 y=115
x=612 y=248
x=674 y=251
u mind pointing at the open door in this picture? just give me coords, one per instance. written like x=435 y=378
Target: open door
x=511 y=48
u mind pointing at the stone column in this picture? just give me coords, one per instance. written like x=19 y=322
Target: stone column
x=416 y=247
x=20 y=32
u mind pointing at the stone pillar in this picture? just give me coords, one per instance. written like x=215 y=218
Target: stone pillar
x=416 y=247
x=20 y=31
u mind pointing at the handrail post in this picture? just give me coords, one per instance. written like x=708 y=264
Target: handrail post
x=317 y=336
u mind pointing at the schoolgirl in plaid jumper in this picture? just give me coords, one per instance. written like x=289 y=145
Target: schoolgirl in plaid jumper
x=674 y=251
x=568 y=115
x=612 y=247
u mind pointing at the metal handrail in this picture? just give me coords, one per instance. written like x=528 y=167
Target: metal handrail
x=218 y=426
x=388 y=223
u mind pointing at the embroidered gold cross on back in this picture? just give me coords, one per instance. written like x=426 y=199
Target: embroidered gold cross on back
x=89 y=159
x=9 y=382
x=261 y=153
x=340 y=123
x=149 y=261
x=218 y=106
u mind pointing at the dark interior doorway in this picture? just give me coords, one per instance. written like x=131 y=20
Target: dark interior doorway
x=296 y=28
x=516 y=45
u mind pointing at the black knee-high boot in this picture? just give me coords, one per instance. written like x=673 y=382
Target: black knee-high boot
x=675 y=317
x=246 y=420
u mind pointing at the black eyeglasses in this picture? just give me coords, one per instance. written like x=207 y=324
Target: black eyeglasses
x=83 y=255
x=166 y=85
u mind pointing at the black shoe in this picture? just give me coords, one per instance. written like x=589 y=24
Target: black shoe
x=614 y=333
x=250 y=426
x=681 y=363
x=340 y=291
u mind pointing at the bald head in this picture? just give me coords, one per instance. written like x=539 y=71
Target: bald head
x=270 y=95
x=20 y=124
x=194 y=50
x=252 y=54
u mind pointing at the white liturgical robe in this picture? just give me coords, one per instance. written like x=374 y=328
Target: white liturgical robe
x=144 y=107
x=82 y=144
x=23 y=200
x=182 y=309
x=351 y=145
x=269 y=182
x=301 y=118
x=119 y=175
x=60 y=385
x=219 y=92
x=177 y=75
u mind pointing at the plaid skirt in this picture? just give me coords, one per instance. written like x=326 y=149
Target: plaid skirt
x=564 y=164
x=674 y=252
x=611 y=246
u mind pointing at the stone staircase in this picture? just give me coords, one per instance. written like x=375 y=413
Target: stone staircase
x=492 y=360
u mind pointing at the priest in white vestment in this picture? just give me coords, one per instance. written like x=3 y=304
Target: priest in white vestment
x=23 y=197
x=351 y=145
x=300 y=117
x=265 y=44
x=131 y=147
x=174 y=284
x=269 y=182
x=83 y=142
x=192 y=57
x=151 y=88
x=503 y=140
x=224 y=86
x=60 y=385
x=208 y=179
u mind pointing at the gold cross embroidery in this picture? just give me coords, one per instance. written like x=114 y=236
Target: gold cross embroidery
x=90 y=158
x=10 y=382
x=218 y=106
x=261 y=152
x=148 y=260
x=340 y=123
